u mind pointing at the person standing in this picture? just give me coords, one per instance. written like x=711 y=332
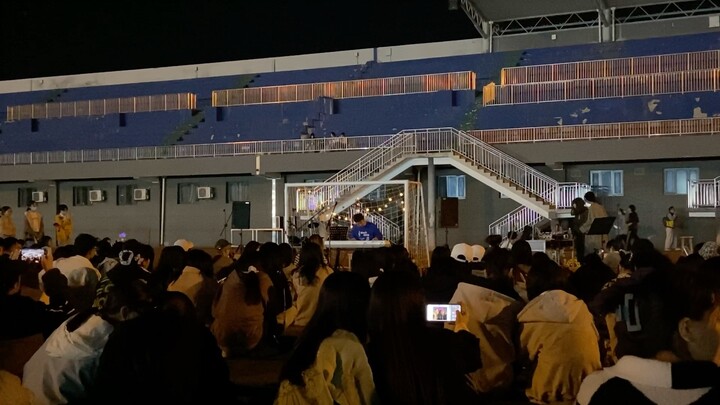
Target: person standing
x=7 y=226
x=595 y=210
x=633 y=223
x=580 y=214
x=669 y=222
x=364 y=230
x=63 y=226
x=34 y=228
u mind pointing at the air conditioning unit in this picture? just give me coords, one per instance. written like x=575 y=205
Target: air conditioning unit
x=96 y=195
x=204 y=193
x=39 y=196
x=141 y=194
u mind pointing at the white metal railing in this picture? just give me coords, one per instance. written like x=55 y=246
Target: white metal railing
x=390 y=230
x=693 y=126
x=605 y=87
x=422 y=141
x=640 y=65
x=345 y=89
x=86 y=108
x=704 y=193
x=350 y=143
x=522 y=216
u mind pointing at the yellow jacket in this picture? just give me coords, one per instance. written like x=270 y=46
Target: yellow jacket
x=7 y=226
x=63 y=229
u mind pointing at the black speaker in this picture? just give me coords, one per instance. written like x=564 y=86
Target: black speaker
x=34 y=125
x=241 y=215
x=122 y=120
x=449 y=213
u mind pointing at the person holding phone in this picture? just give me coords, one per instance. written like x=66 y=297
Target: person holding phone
x=413 y=363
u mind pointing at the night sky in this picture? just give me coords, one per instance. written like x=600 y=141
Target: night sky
x=62 y=38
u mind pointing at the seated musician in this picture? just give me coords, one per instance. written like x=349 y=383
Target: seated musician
x=364 y=230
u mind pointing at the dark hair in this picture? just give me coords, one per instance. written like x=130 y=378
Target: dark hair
x=311 y=259
x=250 y=247
x=250 y=279
x=84 y=243
x=521 y=253
x=366 y=263
x=590 y=196
x=55 y=285
x=63 y=252
x=4 y=209
x=497 y=263
x=626 y=260
x=170 y=265
x=545 y=275
x=439 y=254
x=10 y=271
x=127 y=290
x=342 y=304
x=62 y=207
x=9 y=242
x=358 y=217
x=632 y=208
x=287 y=253
x=493 y=240
x=398 y=337
x=201 y=260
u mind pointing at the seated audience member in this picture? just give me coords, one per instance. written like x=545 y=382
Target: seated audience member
x=197 y=282
x=63 y=369
x=163 y=356
x=224 y=257
x=441 y=278
x=366 y=263
x=143 y=254
x=105 y=259
x=587 y=281
x=329 y=364
x=307 y=280
x=11 y=247
x=521 y=261
x=239 y=311
x=185 y=244
x=497 y=267
x=21 y=316
x=170 y=265
x=411 y=362
x=11 y=390
x=288 y=259
x=249 y=248
x=493 y=242
x=558 y=336
x=667 y=341
x=74 y=267
x=492 y=318
x=271 y=262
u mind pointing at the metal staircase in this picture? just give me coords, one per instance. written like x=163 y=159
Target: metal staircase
x=520 y=182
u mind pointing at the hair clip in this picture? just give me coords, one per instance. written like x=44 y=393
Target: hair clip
x=128 y=257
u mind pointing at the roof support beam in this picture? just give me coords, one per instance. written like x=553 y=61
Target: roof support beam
x=476 y=17
x=603 y=11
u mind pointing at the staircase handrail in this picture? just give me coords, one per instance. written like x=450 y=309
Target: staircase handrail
x=419 y=141
x=704 y=193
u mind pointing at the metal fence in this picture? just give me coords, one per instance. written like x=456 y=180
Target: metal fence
x=641 y=65
x=605 y=87
x=345 y=89
x=694 y=126
x=704 y=193
x=196 y=151
x=86 y=108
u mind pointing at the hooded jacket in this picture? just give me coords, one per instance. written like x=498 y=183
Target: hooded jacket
x=558 y=334
x=647 y=381
x=64 y=367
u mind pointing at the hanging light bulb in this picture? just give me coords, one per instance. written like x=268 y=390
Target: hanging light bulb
x=390 y=199
x=401 y=194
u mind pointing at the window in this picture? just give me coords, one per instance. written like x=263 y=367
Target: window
x=676 y=179
x=125 y=194
x=607 y=182
x=236 y=191
x=81 y=196
x=25 y=196
x=451 y=186
x=187 y=193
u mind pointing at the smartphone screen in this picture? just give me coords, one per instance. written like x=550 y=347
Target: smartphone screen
x=32 y=254
x=441 y=312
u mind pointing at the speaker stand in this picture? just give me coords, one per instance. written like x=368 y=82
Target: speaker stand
x=226 y=220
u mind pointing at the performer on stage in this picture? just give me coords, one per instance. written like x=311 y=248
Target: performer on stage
x=364 y=230
x=63 y=226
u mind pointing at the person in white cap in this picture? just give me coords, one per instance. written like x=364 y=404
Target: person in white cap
x=185 y=244
x=462 y=252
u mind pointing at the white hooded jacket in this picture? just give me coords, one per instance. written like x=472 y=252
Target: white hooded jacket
x=64 y=366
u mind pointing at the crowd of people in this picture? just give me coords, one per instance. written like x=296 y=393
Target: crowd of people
x=112 y=324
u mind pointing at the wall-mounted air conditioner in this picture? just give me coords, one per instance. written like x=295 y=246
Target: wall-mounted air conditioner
x=39 y=196
x=96 y=195
x=141 y=194
x=204 y=193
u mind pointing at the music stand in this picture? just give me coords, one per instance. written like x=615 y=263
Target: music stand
x=338 y=232
x=601 y=226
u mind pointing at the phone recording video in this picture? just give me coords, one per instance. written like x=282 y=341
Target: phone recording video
x=32 y=255
x=441 y=312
